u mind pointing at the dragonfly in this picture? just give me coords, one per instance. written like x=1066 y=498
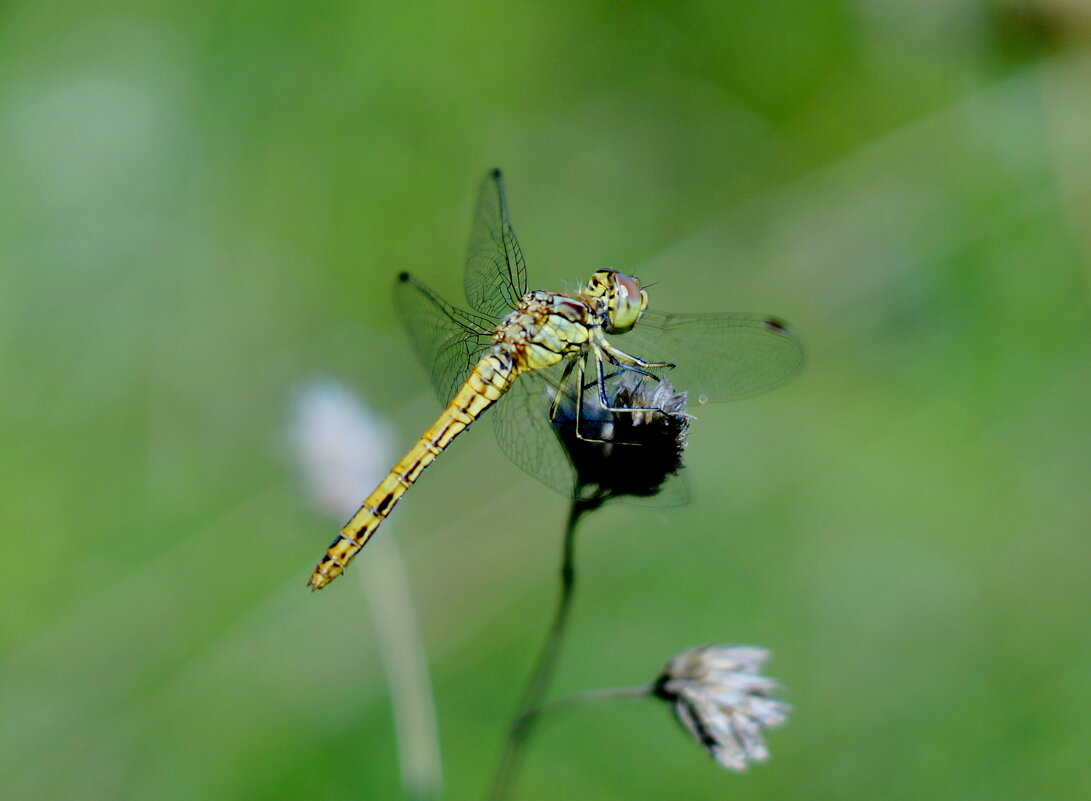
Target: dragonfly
x=526 y=352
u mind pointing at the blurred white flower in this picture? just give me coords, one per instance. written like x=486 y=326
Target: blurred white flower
x=722 y=699
x=343 y=447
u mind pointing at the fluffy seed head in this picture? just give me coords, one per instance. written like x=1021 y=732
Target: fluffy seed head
x=721 y=698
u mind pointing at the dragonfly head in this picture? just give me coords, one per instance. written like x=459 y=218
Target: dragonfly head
x=621 y=299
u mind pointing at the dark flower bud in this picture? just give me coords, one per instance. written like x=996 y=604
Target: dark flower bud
x=620 y=453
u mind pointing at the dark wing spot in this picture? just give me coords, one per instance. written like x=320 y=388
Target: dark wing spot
x=773 y=324
x=495 y=172
x=403 y=277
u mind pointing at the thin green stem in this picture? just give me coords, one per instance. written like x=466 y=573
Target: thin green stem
x=588 y=696
x=526 y=712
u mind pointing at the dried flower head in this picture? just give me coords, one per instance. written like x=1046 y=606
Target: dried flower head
x=722 y=699
x=619 y=454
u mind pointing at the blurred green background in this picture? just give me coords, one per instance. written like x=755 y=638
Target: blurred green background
x=203 y=206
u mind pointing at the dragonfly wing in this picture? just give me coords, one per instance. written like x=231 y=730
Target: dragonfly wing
x=496 y=272
x=449 y=341
x=526 y=436
x=718 y=357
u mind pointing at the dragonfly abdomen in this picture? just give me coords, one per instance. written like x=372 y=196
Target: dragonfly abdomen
x=487 y=383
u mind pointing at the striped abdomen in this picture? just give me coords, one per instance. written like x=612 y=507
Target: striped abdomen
x=489 y=380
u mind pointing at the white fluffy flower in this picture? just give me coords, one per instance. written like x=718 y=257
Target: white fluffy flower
x=343 y=447
x=722 y=699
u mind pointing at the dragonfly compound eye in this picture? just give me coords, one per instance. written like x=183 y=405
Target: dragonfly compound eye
x=626 y=303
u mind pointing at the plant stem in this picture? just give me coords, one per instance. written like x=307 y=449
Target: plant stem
x=401 y=648
x=526 y=712
x=604 y=694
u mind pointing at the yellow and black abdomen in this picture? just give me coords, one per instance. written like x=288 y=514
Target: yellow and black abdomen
x=490 y=379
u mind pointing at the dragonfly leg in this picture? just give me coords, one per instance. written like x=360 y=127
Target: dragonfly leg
x=581 y=385
x=584 y=384
x=561 y=387
x=623 y=358
x=628 y=368
x=602 y=391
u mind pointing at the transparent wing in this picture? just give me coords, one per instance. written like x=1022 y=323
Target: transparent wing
x=718 y=357
x=523 y=430
x=496 y=273
x=449 y=341
x=525 y=434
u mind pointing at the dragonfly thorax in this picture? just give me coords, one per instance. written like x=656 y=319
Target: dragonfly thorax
x=545 y=327
x=617 y=297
